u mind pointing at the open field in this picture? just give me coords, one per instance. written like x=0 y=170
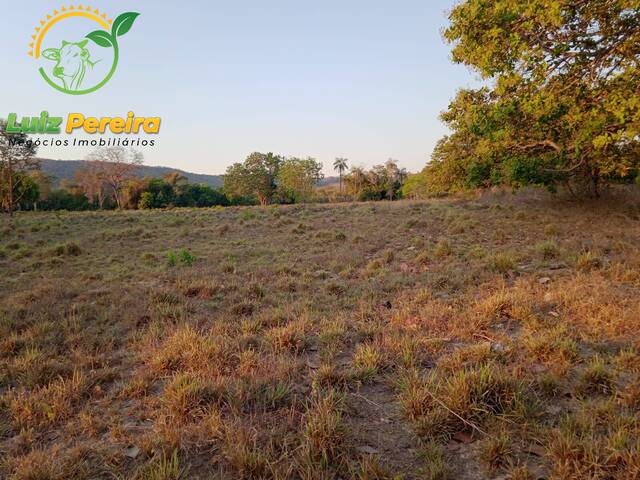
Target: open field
x=451 y=339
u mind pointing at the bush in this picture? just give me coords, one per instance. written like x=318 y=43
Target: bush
x=443 y=249
x=63 y=200
x=503 y=262
x=549 y=249
x=186 y=257
x=70 y=249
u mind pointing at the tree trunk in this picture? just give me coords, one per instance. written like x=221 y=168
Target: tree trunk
x=10 y=191
x=116 y=194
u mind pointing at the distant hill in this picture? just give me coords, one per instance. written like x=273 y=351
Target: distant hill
x=329 y=181
x=66 y=169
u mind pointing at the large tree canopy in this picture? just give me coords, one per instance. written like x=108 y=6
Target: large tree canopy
x=564 y=101
x=298 y=177
x=255 y=177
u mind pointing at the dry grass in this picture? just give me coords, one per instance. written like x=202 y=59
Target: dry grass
x=487 y=337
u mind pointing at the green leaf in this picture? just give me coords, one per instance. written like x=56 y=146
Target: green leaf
x=123 y=23
x=101 y=38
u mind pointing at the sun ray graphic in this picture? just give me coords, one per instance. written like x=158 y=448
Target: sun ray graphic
x=64 y=12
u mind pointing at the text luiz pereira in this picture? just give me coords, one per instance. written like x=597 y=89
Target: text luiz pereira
x=45 y=124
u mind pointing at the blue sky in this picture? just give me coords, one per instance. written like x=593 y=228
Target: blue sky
x=359 y=79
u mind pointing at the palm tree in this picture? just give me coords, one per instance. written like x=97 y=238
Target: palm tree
x=340 y=164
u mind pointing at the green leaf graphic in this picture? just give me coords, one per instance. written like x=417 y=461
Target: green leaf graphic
x=123 y=23
x=101 y=38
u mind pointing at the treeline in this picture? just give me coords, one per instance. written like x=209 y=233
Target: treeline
x=267 y=178
x=562 y=107
x=109 y=181
x=170 y=191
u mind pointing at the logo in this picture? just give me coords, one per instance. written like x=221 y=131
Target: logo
x=74 y=57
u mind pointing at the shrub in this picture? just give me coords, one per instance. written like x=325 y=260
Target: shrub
x=434 y=461
x=503 y=262
x=444 y=403
x=72 y=249
x=588 y=261
x=186 y=257
x=163 y=468
x=596 y=378
x=422 y=259
x=172 y=258
x=497 y=452
x=443 y=249
x=187 y=395
x=324 y=430
x=549 y=249
x=367 y=361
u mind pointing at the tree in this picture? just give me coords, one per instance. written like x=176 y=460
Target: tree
x=415 y=187
x=378 y=183
x=393 y=178
x=43 y=181
x=340 y=165
x=356 y=181
x=17 y=156
x=192 y=195
x=563 y=104
x=133 y=190
x=65 y=200
x=255 y=177
x=156 y=193
x=115 y=166
x=175 y=179
x=298 y=177
x=89 y=180
x=26 y=190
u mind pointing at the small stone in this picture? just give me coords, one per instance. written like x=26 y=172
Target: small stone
x=544 y=280
x=367 y=449
x=557 y=266
x=131 y=451
x=498 y=347
x=554 y=314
